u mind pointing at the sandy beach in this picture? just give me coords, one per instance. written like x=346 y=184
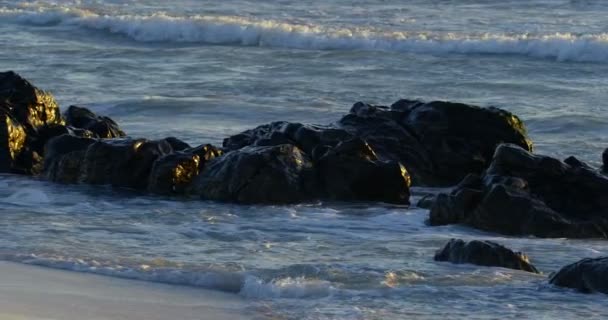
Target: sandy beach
x=30 y=292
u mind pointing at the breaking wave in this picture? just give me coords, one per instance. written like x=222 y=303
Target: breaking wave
x=235 y=30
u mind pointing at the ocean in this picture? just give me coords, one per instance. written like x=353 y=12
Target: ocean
x=203 y=70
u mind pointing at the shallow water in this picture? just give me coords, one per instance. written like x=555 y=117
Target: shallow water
x=202 y=70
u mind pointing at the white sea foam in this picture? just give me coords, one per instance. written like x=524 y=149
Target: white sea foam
x=235 y=30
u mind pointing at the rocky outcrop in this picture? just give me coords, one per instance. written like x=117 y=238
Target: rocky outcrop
x=438 y=142
x=587 y=276
x=100 y=126
x=525 y=194
x=25 y=114
x=374 y=153
x=483 y=253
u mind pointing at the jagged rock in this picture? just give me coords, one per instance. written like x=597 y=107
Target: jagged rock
x=258 y=174
x=177 y=144
x=101 y=126
x=12 y=141
x=438 y=142
x=587 y=276
x=117 y=162
x=173 y=173
x=27 y=112
x=351 y=171
x=526 y=194
x=305 y=137
x=391 y=139
x=483 y=253
x=30 y=106
x=461 y=138
x=64 y=156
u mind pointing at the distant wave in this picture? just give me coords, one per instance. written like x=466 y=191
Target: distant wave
x=234 y=30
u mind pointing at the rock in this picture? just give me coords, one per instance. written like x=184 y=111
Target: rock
x=525 y=194
x=461 y=138
x=64 y=157
x=26 y=114
x=30 y=106
x=258 y=174
x=123 y=163
x=83 y=118
x=438 y=142
x=351 y=171
x=587 y=276
x=12 y=141
x=173 y=173
x=483 y=253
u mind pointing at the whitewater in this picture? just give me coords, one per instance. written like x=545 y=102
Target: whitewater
x=203 y=70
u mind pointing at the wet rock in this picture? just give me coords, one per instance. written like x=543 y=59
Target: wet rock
x=173 y=173
x=305 y=137
x=461 y=138
x=438 y=142
x=122 y=162
x=101 y=126
x=64 y=157
x=351 y=171
x=26 y=114
x=525 y=194
x=258 y=174
x=30 y=106
x=587 y=276
x=12 y=142
x=118 y=162
x=483 y=253
x=391 y=139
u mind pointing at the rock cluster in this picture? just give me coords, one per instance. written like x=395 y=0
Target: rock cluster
x=374 y=153
x=526 y=194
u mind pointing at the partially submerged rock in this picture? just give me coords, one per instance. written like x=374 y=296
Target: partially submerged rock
x=438 y=142
x=174 y=172
x=587 y=276
x=258 y=174
x=484 y=253
x=526 y=194
x=83 y=118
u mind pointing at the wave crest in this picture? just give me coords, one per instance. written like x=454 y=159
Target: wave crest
x=235 y=30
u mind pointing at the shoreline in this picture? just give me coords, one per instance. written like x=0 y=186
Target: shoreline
x=33 y=292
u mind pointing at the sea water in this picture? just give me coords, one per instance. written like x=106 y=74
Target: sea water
x=203 y=70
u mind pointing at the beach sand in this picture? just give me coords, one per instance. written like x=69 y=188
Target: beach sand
x=30 y=292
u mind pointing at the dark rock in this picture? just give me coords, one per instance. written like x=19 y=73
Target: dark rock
x=83 y=118
x=461 y=138
x=177 y=144
x=587 y=276
x=12 y=141
x=30 y=106
x=64 y=156
x=351 y=171
x=483 y=253
x=173 y=173
x=391 y=139
x=258 y=174
x=122 y=162
x=118 y=162
x=526 y=194
x=438 y=142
